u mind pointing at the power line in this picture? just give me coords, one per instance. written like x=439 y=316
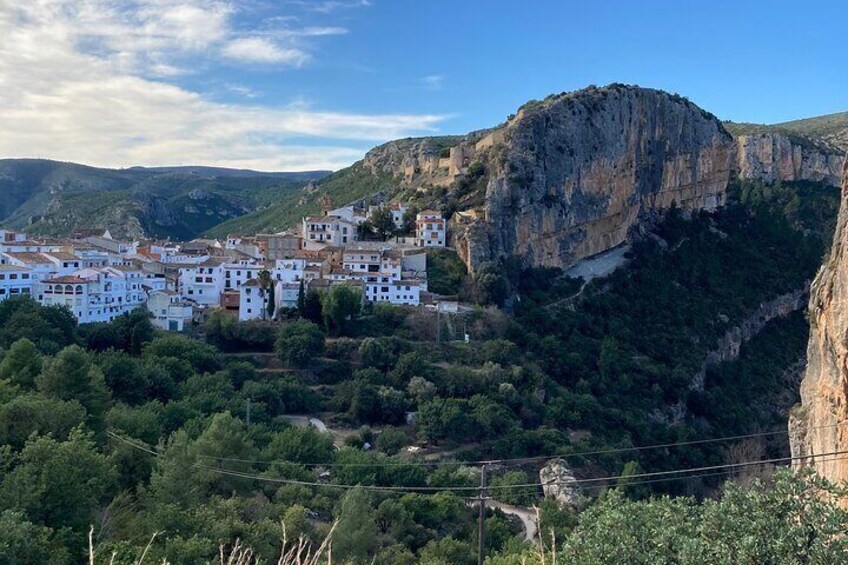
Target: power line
x=585 y=484
x=520 y=460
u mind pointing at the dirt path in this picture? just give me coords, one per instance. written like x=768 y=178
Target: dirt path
x=527 y=516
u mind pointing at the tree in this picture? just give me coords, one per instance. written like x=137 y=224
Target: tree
x=382 y=223
x=492 y=285
x=375 y=353
x=448 y=551
x=301 y=445
x=301 y=299
x=391 y=440
x=32 y=413
x=443 y=418
x=25 y=543
x=797 y=519
x=125 y=376
x=266 y=287
x=200 y=356
x=339 y=305
x=410 y=219
x=355 y=537
x=50 y=327
x=296 y=522
x=421 y=389
x=299 y=342
x=72 y=376
x=312 y=307
x=22 y=364
x=59 y=484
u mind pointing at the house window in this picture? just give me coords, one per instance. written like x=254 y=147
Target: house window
x=13 y=276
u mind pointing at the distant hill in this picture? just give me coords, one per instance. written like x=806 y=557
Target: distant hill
x=304 y=176
x=829 y=132
x=55 y=198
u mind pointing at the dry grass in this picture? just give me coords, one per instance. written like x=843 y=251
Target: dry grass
x=301 y=552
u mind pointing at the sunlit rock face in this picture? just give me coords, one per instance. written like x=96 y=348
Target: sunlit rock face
x=820 y=424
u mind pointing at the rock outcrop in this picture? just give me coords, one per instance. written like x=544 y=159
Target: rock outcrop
x=560 y=485
x=819 y=425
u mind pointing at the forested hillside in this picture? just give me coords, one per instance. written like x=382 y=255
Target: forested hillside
x=136 y=431
x=53 y=198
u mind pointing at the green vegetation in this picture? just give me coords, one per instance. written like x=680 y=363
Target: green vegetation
x=163 y=203
x=445 y=272
x=162 y=432
x=345 y=186
x=793 y=520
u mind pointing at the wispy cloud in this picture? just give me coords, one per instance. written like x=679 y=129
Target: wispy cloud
x=242 y=90
x=262 y=50
x=433 y=82
x=92 y=81
x=329 y=6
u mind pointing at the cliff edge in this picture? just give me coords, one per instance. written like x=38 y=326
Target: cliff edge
x=819 y=425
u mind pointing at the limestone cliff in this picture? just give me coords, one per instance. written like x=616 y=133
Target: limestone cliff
x=570 y=176
x=820 y=424
x=771 y=157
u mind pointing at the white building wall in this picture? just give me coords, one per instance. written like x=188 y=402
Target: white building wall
x=202 y=284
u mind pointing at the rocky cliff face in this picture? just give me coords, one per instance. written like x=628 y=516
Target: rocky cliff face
x=771 y=157
x=579 y=170
x=570 y=176
x=820 y=424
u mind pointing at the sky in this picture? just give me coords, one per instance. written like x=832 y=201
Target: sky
x=313 y=84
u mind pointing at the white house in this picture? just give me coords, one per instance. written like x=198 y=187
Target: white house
x=202 y=283
x=94 y=295
x=319 y=231
x=430 y=229
x=253 y=301
x=380 y=269
x=169 y=311
x=285 y=294
x=15 y=280
x=398 y=212
x=289 y=270
x=238 y=273
x=349 y=213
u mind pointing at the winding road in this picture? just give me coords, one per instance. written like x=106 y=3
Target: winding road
x=527 y=516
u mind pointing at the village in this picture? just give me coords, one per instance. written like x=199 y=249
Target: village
x=99 y=278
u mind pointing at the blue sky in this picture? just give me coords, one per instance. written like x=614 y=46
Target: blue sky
x=299 y=84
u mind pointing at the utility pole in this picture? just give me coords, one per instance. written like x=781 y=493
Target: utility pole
x=481 y=517
x=438 y=324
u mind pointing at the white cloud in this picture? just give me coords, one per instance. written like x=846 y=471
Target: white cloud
x=261 y=50
x=85 y=81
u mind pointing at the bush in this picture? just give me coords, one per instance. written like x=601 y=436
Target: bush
x=445 y=271
x=299 y=342
x=229 y=334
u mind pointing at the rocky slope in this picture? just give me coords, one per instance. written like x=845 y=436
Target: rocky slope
x=572 y=175
x=54 y=198
x=730 y=344
x=820 y=424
